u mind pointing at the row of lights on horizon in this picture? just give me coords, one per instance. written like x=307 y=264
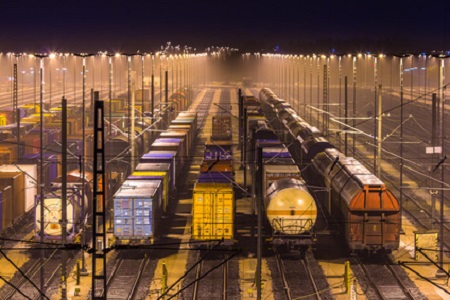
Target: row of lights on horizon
x=102 y=54
x=358 y=55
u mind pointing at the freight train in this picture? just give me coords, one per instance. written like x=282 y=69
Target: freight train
x=359 y=203
x=213 y=203
x=289 y=208
x=147 y=194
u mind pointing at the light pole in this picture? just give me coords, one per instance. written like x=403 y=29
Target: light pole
x=41 y=171
x=83 y=271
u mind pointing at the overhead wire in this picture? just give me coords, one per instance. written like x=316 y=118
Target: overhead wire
x=24 y=275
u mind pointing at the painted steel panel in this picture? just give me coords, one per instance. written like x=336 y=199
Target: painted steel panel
x=221 y=128
x=162 y=157
x=212 y=212
x=17 y=182
x=217 y=150
x=158 y=175
x=30 y=184
x=136 y=210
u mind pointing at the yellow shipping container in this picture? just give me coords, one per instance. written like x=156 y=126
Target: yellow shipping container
x=164 y=175
x=213 y=211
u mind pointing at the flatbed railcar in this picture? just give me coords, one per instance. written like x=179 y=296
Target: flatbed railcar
x=368 y=212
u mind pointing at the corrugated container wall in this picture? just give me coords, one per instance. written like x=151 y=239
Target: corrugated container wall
x=213 y=211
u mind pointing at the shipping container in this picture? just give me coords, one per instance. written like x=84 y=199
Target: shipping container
x=178 y=134
x=136 y=211
x=221 y=166
x=225 y=177
x=158 y=167
x=191 y=132
x=156 y=175
x=10 y=145
x=218 y=150
x=16 y=180
x=174 y=145
x=12 y=129
x=192 y=122
x=7 y=116
x=51 y=134
x=5 y=157
x=162 y=157
x=277 y=156
x=30 y=173
x=31 y=144
x=6 y=207
x=221 y=128
x=190 y=116
x=29 y=109
x=213 y=212
x=51 y=165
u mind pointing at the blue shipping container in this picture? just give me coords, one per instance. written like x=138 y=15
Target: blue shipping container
x=136 y=210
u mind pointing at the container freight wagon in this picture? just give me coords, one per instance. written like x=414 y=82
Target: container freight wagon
x=137 y=212
x=213 y=210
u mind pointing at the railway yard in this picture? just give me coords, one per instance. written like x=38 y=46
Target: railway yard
x=219 y=190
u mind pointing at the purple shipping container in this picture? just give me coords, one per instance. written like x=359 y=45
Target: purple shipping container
x=277 y=156
x=162 y=157
x=171 y=145
x=53 y=134
x=222 y=177
x=220 y=151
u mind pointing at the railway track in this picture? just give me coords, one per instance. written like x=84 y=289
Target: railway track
x=384 y=280
x=52 y=270
x=125 y=276
x=302 y=278
x=211 y=273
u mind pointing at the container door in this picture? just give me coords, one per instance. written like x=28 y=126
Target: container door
x=202 y=216
x=223 y=216
x=123 y=218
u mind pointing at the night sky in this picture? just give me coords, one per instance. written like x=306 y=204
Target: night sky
x=288 y=26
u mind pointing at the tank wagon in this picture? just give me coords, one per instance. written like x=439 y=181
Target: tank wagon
x=289 y=208
x=359 y=203
x=78 y=206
